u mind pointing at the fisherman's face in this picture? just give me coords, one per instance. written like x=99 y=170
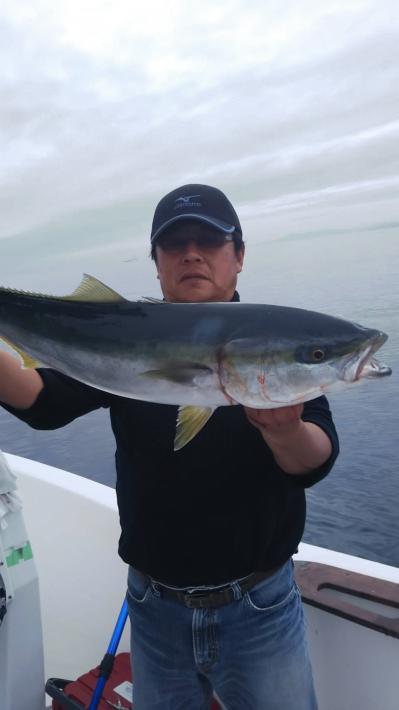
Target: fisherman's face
x=193 y=267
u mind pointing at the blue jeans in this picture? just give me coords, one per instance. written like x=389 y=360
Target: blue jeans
x=252 y=652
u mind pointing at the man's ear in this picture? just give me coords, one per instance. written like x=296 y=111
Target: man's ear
x=240 y=258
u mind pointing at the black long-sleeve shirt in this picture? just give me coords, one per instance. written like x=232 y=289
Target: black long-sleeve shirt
x=214 y=511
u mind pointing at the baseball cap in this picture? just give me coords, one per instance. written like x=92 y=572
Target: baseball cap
x=195 y=202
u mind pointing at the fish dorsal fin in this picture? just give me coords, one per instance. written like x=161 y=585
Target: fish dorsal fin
x=190 y=420
x=150 y=299
x=28 y=362
x=94 y=291
x=90 y=289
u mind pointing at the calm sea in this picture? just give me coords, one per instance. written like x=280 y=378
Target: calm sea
x=343 y=272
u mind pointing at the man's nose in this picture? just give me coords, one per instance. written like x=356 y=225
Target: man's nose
x=191 y=252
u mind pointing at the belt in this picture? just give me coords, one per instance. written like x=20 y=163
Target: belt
x=204 y=598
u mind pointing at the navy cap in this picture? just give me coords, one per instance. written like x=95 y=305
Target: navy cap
x=195 y=202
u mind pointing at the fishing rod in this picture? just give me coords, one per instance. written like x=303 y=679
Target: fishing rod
x=55 y=686
x=107 y=663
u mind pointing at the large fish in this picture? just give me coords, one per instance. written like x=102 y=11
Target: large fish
x=196 y=355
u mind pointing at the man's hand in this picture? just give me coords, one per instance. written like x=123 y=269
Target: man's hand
x=298 y=446
x=276 y=422
x=18 y=387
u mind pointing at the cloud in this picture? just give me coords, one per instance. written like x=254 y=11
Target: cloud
x=102 y=107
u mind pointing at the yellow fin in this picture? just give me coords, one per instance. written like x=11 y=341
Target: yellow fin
x=190 y=420
x=92 y=290
x=28 y=361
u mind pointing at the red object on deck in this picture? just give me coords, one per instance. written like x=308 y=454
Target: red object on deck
x=81 y=690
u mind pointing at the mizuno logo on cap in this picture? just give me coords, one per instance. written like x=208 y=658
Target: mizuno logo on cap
x=187 y=201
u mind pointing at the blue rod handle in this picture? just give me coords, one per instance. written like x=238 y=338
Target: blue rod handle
x=111 y=651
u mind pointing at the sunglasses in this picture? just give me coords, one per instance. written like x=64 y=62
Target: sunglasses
x=170 y=242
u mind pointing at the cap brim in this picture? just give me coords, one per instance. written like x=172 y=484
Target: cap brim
x=227 y=228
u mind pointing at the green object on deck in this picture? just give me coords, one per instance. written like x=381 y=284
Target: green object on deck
x=20 y=554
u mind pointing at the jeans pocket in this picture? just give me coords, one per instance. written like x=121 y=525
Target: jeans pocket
x=138 y=586
x=268 y=600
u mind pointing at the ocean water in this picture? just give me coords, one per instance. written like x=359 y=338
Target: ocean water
x=349 y=273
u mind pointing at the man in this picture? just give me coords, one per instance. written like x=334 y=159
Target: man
x=208 y=531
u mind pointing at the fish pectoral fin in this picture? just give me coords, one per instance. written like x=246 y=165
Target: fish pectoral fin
x=190 y=420
x=182 y=374
x=28 y=362
x=92 y=290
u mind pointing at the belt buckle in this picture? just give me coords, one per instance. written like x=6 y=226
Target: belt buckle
x=208 y=599
x=196 y=600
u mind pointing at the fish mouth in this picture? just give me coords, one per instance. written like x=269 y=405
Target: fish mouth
x=363 y=365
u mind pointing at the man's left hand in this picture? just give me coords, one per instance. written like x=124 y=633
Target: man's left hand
x=281 y=421
x=297 y=446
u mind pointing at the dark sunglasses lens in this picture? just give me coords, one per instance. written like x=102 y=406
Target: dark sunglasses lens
x=214 y=239
x=168 y=242
x=174 y=242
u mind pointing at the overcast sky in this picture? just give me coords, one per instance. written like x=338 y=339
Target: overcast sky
x=292 y=108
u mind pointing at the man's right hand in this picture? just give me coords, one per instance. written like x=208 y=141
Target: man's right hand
x=18 y=387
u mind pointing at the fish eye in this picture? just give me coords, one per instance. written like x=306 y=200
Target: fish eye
x=318 y=355
x=312 y=355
